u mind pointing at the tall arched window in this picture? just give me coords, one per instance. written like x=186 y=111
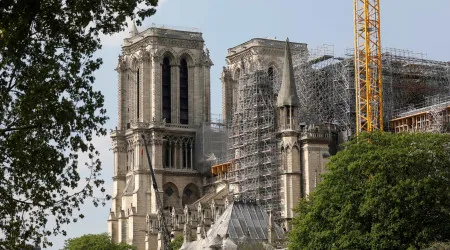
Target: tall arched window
x=137 y=93
x=273 y=79
x=184 y=100
x=270 y=73
x=166 y=102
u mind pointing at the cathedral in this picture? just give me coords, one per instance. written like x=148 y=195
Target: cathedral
x=216 y=197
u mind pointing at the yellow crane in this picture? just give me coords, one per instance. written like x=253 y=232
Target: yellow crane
x=368 y=66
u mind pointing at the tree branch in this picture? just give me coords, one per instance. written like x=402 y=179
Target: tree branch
x=18 y=128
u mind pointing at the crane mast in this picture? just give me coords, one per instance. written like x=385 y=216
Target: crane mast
x=163 y=225
x=368 y=66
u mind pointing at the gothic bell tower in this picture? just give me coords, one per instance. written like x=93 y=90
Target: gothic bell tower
x=163 y=93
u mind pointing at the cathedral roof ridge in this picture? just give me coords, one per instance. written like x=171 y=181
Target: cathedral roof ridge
x=163 y=31
x=174 y=27
x=265 y=42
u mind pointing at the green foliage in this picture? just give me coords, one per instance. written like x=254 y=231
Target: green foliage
x=439 y=246
x=383 y=191
x=95 y=242
x=176 y=243
x=49 y=111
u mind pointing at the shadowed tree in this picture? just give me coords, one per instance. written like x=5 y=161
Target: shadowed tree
x=95 y=242
x=49 y=112
x=383 y=191
x=176 y=243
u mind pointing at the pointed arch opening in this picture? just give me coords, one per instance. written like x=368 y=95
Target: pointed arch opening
x=137 y=93
x=171 y=196
x=166 y=90
x=270 y=73
x=184 y=92
x=191 y=193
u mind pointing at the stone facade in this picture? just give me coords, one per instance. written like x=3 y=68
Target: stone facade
x=164 y=93
x=303 y=149
x=255 y=54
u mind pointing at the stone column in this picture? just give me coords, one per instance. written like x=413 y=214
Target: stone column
x=177 y=156
x=198 y=95
x=122 y=94
x=227 y=97
x=121 y=226
x=180 y=155
x=156 y=96
x=175 y=92
x=131 y=75
x=146 y=88
x=119 y=174
x=161 y=245
x=170 y=154
x=191 y=82
x=138 y=90
x=207 y=93
x=192 y=155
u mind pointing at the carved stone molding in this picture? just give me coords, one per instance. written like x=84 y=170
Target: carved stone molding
x=163 y=41
x=121 y=64
x=145 y=56
x=119 y=145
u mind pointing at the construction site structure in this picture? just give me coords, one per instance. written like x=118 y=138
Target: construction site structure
x=326 y=90
x=326 y=109
x=274 y=159
x=368 y=66
x=265 y=54
x=253 y=141
x=262 y=152
x=411 y=81
x=325 y=86
x=432 y=116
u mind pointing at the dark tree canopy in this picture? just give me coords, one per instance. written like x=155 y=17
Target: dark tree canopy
x=95 y=242
x=49 y=111
x=384 y=191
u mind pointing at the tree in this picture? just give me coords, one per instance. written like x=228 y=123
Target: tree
x=49 y=112
x=439 y=246
x=176 y=243
x=95 y=242
x=383 y=191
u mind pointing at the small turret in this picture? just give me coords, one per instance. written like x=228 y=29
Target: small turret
x=134 y=31
x=287 y=101
x=288 y=92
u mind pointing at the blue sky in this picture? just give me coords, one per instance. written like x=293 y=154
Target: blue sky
x=417 y=25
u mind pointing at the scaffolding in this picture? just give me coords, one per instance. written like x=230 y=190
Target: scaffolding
x=253 y=141
x=211 y=145
x=325 y=85
x=410 y=79
x=325 y=89
x=433 y=115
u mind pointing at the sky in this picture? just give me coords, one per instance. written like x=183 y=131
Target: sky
x=416 y=25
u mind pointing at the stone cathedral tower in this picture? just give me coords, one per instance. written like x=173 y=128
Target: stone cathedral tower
x=164 y=93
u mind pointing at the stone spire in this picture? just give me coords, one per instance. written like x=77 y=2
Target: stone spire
x=133 y=30
x=288 y=92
